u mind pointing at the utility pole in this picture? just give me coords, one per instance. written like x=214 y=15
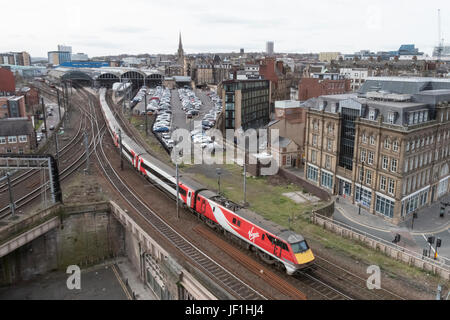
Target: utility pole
x=86 y=144
x=56 y=147
x=45 y=118
x=245 y=183
x=120 y=147
x=59 y=103
x=145 y=110
x=11 y=198
x=178 y=188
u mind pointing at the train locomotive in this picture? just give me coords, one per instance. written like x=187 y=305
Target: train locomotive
x=272 y=243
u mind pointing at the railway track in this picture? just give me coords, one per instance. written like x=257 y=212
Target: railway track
x=325 y=270
x=220 y=275
x=63 y=151
x=75 y=159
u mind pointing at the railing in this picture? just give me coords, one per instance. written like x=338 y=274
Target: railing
x=440 y=266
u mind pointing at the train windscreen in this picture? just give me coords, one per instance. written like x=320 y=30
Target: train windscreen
x=299 y=247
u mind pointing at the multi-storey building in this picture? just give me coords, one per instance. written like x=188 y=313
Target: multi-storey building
x=16 y=58
x=357 y=76
x=12 y=107
x=56 y=58
x=246 y=103
x=322 y=84
x=385 y=147
x=16 y=136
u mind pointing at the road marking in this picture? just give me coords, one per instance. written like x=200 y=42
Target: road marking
x=361 y=224
x=446 y=227
x=124 y=288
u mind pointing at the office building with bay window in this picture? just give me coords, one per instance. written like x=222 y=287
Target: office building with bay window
x=385 y=147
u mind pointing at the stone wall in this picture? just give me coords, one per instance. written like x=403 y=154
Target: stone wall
x=82 y=239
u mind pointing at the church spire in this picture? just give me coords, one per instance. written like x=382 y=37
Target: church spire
x=180 y=45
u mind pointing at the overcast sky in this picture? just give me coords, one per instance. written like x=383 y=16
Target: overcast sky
x=107 y=27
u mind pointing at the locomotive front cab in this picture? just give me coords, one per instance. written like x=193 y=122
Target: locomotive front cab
x=303 y=254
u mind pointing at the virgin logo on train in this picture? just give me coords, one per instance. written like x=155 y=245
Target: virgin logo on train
x=252 y=236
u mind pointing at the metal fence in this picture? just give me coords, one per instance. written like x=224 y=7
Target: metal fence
x=441 y=266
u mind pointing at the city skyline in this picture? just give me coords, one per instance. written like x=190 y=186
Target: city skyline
x=100 y=28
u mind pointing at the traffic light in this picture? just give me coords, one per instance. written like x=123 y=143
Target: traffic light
x=438 y=243
x=431 y=240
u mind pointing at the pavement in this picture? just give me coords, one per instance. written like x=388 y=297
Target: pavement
x=414 y=235
x=106 y=281
x=97 y=283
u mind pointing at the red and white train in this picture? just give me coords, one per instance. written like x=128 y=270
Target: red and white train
x=274 y=244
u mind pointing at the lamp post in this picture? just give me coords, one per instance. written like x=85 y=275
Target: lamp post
x=361 y=178
x=219 y=172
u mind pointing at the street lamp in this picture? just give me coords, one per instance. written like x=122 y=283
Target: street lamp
x=361 y=178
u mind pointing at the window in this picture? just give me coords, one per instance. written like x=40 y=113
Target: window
x=372 y=140
x=384 y=206
x=313 y=156
x=391 y=117
x=387 y=144
x=327 y=162
x=370 y=157
x=2 y=140
x=361 y=175
x=372 y=115
x=327 y=180
x=382 y=183
x=391 y=187
x=23 y=139
x=394 y=165
x=363 y=196
x=364 y=138
x=12 y=139
x=363 y=155
x=407 y=146
x=330 y=145
x=395 y=146
x=330 y=129
x=385 y=163
x=312 y=174
x=369 y=177
x=406 y=166
x=314 y=140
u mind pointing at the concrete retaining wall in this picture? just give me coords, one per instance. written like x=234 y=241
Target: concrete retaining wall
x=85 y=235
x=393 y=252
x=315 y=190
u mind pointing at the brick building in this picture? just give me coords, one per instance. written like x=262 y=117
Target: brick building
x=12 y=107
x=16 y=136
x=7 y=82
x=315 y=87
x=31 y=97
x=274 y=71
x=387 y=150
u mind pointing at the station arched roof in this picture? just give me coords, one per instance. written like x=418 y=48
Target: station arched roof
x=95 y=73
